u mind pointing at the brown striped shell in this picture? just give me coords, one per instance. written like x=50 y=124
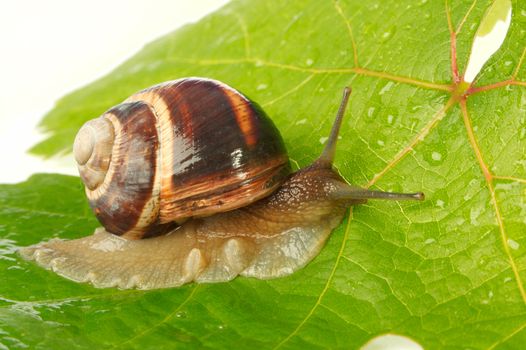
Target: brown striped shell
x=185 y=148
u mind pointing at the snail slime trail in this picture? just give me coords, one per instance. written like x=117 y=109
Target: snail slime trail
x=197 y=213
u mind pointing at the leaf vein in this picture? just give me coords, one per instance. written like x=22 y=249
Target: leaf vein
x=489 y=181
x=416 y=140
x=349 y=30
x=326 y=286
x=163 y=321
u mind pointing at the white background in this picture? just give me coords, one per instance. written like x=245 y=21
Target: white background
x=49 y=48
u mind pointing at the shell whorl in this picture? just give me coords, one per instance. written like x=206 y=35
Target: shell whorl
x=126 y=202
x=92 y=150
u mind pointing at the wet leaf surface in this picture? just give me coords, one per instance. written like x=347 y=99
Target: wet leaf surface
x=448 y=272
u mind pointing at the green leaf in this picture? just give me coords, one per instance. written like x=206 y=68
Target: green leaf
x=448 y=273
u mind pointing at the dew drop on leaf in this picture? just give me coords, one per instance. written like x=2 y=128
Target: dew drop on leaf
x=386 y=88
x=513 y=244
x=370 y=112
x=474 y=215
x=429 y=241
x=437 y=155
x=388 y=34
x=180 y=314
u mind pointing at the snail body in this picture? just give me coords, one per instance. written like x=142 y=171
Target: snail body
x=212 y=210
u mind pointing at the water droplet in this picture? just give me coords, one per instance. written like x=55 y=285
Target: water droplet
x=507 y=279
x=429 y=241
x=323 y=139
x=508 y=63
x=503 y=186
x=513 y=244
x=474 y=215
x=523 y=12
x=391 y=342
x=490 y=294
x=386 y=88
x=440 y=203
x=261 y=87
x=390 y=119
x=380 y=143
x=180 y=314
x=221 y=327
x=309 y=62
x=437 y=155
x=472 y=189
x=301 y=121
x=388 y=34
x=370 y=112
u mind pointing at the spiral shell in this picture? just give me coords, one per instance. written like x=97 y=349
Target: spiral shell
x=185 y=148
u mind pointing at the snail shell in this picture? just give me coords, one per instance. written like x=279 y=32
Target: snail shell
x=185 y=148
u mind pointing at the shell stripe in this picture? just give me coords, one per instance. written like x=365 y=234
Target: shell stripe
x=154 y=97
x=196 y=200
x=127 y=202
x=244 y=114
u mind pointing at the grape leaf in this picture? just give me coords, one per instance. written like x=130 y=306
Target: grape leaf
x=448 y=272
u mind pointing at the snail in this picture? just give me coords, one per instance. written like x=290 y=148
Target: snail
x=191 y=182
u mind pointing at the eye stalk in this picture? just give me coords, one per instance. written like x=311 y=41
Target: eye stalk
x=92 y=151
x=327 y=155
x=343 y=191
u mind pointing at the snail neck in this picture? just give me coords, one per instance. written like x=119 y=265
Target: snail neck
x=300 y=203
x=316 y=194
x=304 y=198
